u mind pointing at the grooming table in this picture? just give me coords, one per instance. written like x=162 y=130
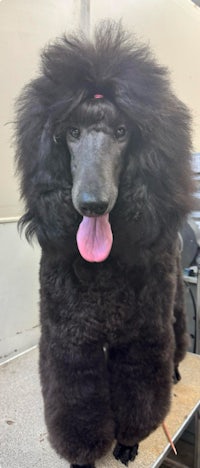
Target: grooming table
x=23 y=436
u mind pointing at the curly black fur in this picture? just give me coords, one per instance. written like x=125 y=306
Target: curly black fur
x=144 y=181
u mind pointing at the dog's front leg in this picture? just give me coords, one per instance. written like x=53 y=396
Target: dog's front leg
x=141 y=381
x=141 y=370
x=77 y=402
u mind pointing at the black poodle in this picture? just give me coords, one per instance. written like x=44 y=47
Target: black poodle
x=103 y=149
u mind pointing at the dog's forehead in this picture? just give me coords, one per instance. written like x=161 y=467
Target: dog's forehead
x=97 y=111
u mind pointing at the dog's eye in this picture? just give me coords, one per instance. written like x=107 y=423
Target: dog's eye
x=120 y=132
x=74 y=132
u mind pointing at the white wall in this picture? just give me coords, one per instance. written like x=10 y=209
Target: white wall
x=19 y=292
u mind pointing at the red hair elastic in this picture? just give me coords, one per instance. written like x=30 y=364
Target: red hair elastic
x=98 y=96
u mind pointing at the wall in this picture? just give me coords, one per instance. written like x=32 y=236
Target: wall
x=19 y=297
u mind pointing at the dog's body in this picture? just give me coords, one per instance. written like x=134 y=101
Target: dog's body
x=107 y=183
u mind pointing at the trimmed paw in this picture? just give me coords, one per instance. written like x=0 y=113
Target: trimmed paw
x=82 y=466
x=176 y=376
x=125 y=453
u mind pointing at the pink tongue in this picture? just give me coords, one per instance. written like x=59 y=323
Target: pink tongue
x=94 y=238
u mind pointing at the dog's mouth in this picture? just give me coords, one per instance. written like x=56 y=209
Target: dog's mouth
x=94 y=238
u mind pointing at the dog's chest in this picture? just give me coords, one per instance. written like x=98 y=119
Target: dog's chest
x=107 y=301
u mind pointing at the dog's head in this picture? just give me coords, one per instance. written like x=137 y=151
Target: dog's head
x=85 y=159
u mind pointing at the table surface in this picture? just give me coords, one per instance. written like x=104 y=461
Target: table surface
x=23 y=435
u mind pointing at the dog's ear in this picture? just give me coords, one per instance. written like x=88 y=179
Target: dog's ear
x=157 y=177
x=44 y=168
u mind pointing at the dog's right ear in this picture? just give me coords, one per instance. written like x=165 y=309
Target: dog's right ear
x=43 y=166
x=32 y=135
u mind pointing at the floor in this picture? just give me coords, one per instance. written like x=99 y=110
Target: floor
x=23 y=435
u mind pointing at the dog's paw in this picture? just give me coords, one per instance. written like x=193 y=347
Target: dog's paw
x=125 y=453
x=176 y=376
x=82 y=466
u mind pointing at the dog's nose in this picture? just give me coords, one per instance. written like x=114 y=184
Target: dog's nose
x=89 y=205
